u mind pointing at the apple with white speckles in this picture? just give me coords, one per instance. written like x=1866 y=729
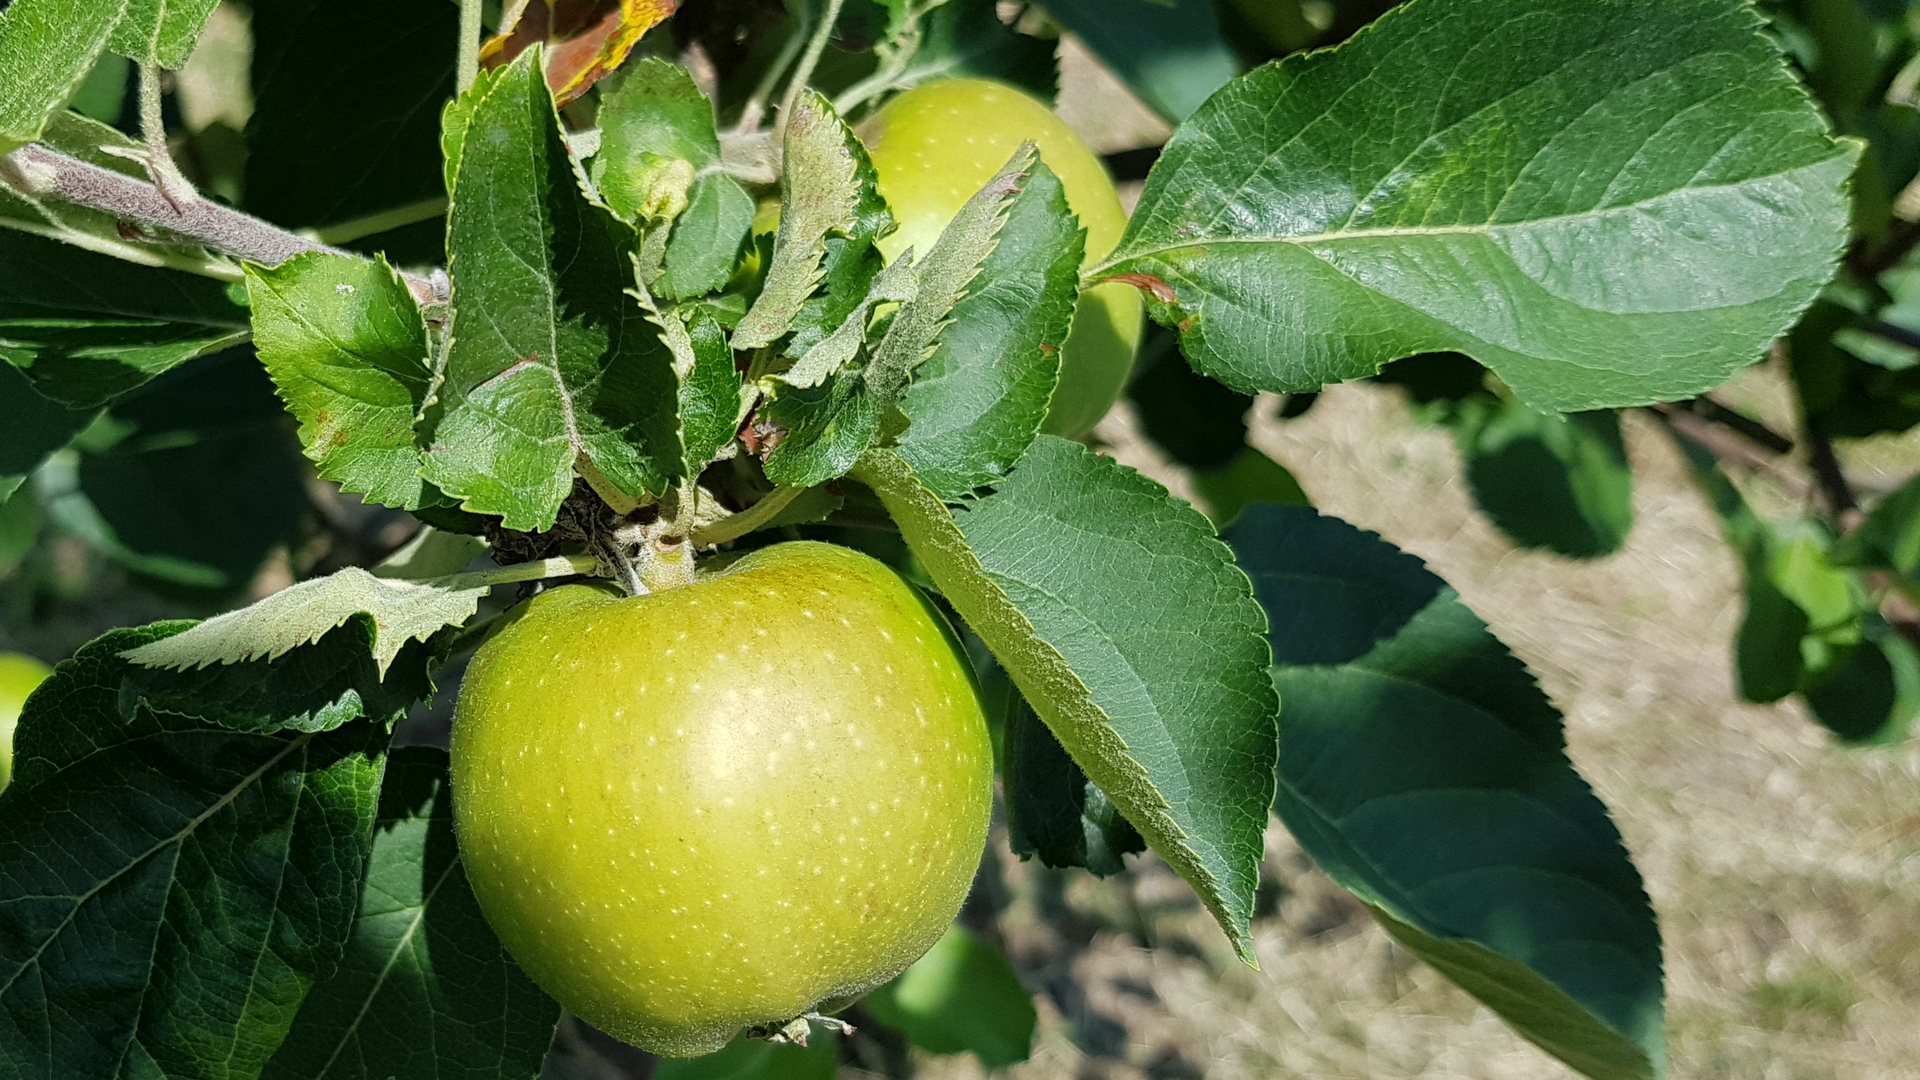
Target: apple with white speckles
x=721 y=805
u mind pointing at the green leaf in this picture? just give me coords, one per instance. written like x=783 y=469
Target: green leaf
x=194 y=481
x=312 y=687
x=550 y=362
x=757 y=1059
x=400 y=611
x=977 y=401
x=1169 y=52
x=1889 y=537
x=965 y=38
x=19 y=528
x=826 y=187
x=653 y=117
x=709 y=393
x=1251 y=477
x=1607 y=203
x=35 y=427
x=345 y=344
x=1556 y=482
x=1127 y=626
x=946 y=274
x=1198 y=422
x=962 y=996
x=425 y=991
x=346 y=116
x=46 y=49
x=175 y=888
x=1053 y=811
x=86 y=328
x=161 y=32
x=827 y=429
x=1423 y=768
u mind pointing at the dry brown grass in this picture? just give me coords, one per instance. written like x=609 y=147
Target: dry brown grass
x=1786 y=871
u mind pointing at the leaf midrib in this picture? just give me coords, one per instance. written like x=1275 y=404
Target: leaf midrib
x=180 y=836
x=419 y=917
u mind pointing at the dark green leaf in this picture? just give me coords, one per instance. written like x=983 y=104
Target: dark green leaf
x=1841 y=395
x=977 y=401
x=345 y=344
x=347 y=100
x=425 y=991
x=1198 y=422
x=1547 y=481
x=961 y=997
x=1169 y=52
x=1422 y=767
x=1606 y=202
x=35 y=427
x=1251 y=477
x=86 y=328
x=1127 y=626
x=175 y=888
x=1890 y=536
x=315 y=687
x=204 y=481
x=1053 y=811
x=966 y=39
x=550 y=362
x=46 y=49
x=161 y=32
x=19 y=530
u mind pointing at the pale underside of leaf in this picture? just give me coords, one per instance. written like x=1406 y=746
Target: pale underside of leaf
x=301 y=614
x=820 y=191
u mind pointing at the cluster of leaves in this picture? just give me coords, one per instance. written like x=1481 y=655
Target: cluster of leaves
x=215 y=861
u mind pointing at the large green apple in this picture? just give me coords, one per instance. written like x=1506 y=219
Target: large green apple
x=18 y=677
x=935 y=145
x=724 y=804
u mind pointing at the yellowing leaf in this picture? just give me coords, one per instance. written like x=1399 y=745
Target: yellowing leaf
x=586 y=39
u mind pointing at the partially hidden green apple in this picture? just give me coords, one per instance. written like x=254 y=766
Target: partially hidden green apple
x=726 y=804
x=935 y=145
x=19 y=675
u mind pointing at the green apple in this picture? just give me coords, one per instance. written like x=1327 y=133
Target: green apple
x=935 y=145
x=18 y=676
x=724 y=804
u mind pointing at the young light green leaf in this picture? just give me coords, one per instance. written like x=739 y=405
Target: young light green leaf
x=161 y=32
x=1169 y=52
x=710 y=393
x=174 y=888
x=366 y=144
x=1556 y=482
x=1127 y=626
x=46 y=49
x=1424 y=770
x=895 y=284
x=1608 y=203
x=654 y=117
x=945 y=274
x=431 y=553
x=961 y=997
x=345 y=344
x=975 y=404
x=86 y=328
x=424 y=991
x=825 y=187
x=827 y=429
x=1251 y=477
x=300 y=614
x=549 y=363
x=747 y=1058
